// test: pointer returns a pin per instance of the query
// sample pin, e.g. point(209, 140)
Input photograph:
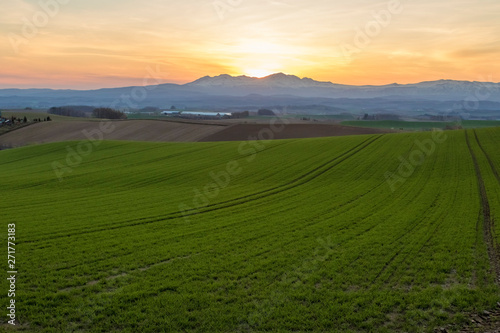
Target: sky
point(90, 44)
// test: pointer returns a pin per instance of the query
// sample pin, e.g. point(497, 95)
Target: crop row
point(308, 235)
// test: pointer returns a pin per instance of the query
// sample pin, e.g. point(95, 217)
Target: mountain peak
point(281, 80)
point(280, 75)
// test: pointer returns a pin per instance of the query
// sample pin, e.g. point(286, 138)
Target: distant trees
point(244, 114)
point(149, 109)
point(108, 113)
point(67, 111)
point(266, 112)
point(381, 116)
point(86, 111)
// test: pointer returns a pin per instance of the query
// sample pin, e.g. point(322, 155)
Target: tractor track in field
point(294, 183)
point(429, 237)
point(421, 245)
point(488, 221)
point(124, 274)
point(490, 161)
point(487, 321)
point(170, 216)
point(298, 181)
point(407, 233)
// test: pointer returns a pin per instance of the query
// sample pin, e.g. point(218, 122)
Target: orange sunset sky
point(86, 44)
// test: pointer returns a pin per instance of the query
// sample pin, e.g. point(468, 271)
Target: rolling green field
point(377, 233)
point(422, 125)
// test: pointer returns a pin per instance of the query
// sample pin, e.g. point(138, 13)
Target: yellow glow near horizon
point(260, 57)
point(259, 73)
point(122, 43)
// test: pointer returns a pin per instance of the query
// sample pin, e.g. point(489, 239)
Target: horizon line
point(247, 76)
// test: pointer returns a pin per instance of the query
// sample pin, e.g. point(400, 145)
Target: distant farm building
point(197, 115)
point(171, 113)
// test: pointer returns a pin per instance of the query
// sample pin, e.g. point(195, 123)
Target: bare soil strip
point(8, 129)
point(279, 130)
point(131, 130)
point(173, 131)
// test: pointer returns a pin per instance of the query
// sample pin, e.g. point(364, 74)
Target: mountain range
point(277, 90)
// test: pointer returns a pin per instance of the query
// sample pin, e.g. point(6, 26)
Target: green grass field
point(422, 125)
point(279, 236)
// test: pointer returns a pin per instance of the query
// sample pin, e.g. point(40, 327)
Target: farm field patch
point(422, 125)
point(141, 130)
point(287, 235)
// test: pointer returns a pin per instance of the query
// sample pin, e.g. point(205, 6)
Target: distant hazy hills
point(275, 80)
point(289, 84)
point(277, 90)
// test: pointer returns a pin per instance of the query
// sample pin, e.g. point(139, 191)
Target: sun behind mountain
point(258, 73)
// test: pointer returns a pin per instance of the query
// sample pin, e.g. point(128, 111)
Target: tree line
point(87, 111)
point(108, 113)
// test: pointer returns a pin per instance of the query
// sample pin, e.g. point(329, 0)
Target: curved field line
point(313, 220)
point(237, 201)
point(485, 208)
point(408, 233)
point(412, 253)
point(123, 274)
point(299, 181)
point(490, 161)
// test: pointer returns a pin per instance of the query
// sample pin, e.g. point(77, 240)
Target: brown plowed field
point(134, 130)
point(241, 132)
point(173, 131)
